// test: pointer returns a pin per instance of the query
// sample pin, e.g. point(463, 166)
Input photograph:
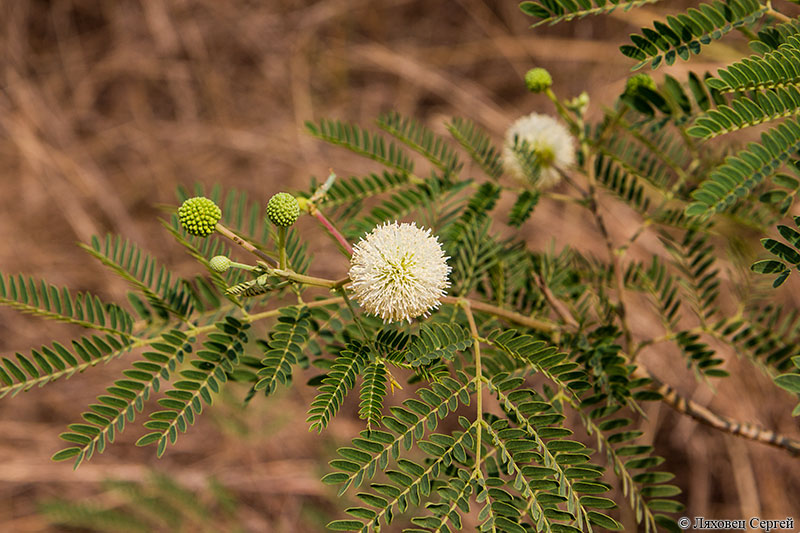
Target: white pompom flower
point(399, 272)
point(551, 142)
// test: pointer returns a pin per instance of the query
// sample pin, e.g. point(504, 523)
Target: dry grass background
point(106, 106)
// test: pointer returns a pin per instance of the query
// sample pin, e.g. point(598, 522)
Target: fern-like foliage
point(437, 342)
point(163, 291)
point(788, 255)
point(775, 69)
point(625, 185)
point(421, 139)
point(791, 382)
point(766, 333)
point(353, 189)
point(412, 482)
point(530, 359)
point(474, 252)
point(740, 174)
point(362, 142)
point(523, 208)
point(39, 298)
point(157, 503)
point(574, 382)
point(341, 379)
point(107, 418)
point(283, 349)
point(694, 257)
point(184, 402)
point(743, 112)
point(555, 11)
point(424, 194)
point(50, 363)
point(771, 37)
point(686, 33)
point(661, 286)
point(478, 145)
point(373, 390)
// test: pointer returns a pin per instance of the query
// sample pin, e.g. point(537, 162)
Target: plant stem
point(282, 247)
point(243, 243)
point(249, 319)
point(557, 305)
point(562, 110)
point(716, 421)
point(776, 14)
point(242, 266)
point(518, 318)
point(335, 233)
point(478, 378)
point(310, 280)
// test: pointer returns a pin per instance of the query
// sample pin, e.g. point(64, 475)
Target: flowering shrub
point(517, 359)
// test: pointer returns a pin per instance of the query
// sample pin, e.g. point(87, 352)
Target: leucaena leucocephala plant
point(525, 355)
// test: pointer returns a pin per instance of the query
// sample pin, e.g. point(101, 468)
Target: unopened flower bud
point(283, 209)
point(220, 263)
point(199, 216)
point(538, 80)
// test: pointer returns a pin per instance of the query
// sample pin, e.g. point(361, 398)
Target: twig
point(707, 417)
point(465, 303)
point(332, 230)
point(244, 244)
point(518, 318)
point(558, 306)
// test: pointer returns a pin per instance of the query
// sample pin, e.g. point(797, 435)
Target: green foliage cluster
point(527, 340)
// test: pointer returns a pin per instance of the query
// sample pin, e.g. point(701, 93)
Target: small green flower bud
point(199, 216)
point(639, 80)
point(283, 209)
point(579, 104)
point(538, 80)
point(220, 263)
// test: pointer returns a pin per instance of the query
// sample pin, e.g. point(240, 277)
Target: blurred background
point(107, 106)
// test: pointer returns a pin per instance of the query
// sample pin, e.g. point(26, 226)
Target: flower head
point(399, 272)
point(283, 209)
point(538, 80)
point(199, 216)
point(550, 142)
point(220, 263)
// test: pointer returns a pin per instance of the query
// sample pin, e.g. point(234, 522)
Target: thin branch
point(709, 418)
point(335, 233)
point(558, 306)
point(244, 244)
point(478, 378)
point(512, 316)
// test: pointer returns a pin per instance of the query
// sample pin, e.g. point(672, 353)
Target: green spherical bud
point(639, 80)
point(199, 216)
point(538, 80)
point(283, 209)
point(220, 263)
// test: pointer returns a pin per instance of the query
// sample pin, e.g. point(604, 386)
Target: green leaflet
point(684, 35)
point(553, 12)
